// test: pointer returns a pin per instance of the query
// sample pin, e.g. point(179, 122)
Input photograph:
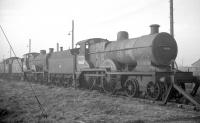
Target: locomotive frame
point(172, 88)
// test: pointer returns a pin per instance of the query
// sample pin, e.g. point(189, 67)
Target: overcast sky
point(47, 22)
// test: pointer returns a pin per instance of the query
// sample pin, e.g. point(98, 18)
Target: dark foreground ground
point(67, 105)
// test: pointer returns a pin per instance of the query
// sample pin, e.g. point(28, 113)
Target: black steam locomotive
point(142, 66)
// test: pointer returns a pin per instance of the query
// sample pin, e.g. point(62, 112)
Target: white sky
point(47, 22)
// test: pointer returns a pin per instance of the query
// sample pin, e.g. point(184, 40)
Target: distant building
point(196, 68)
point(196, 64)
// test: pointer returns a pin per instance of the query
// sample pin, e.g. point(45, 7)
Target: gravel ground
point(67, 105)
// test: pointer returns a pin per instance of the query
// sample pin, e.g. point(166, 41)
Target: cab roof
point(92, 41)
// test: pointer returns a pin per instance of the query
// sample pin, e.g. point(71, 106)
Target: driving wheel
point(132, 87)
point(153, 90)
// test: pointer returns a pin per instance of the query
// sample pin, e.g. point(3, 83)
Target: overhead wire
point(44, 113)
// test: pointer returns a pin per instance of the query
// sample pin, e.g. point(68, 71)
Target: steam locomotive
point(142, 66)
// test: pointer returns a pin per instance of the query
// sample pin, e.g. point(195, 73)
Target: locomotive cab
point(28, 60)
point(88, 48)
point(8, 64)
point(82, 56)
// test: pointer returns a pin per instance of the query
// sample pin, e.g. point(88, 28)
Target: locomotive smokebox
point(50, 50)
point(122, 35)
point(43, 52)
point(154, 28)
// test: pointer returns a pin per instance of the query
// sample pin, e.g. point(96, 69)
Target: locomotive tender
point(140, 66)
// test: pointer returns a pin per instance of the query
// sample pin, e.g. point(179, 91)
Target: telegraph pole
point(74, 56)
point(72, 34)
point(171, 19)
point(29, 45)
point(3, 64)
point(172, 25)
point(10, 52)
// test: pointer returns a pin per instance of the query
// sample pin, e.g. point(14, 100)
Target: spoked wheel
point(91, 83)
point(132, 87)
point(82, 80)
point(108, 86)
point(164, 87)
point(67, 82)
point(153, 90)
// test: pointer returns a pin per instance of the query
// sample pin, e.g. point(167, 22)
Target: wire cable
point(44, 113)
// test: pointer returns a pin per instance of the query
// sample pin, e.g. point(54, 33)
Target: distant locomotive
point(11, 68)
point(140, 66)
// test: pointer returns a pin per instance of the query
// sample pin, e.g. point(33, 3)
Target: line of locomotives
point(140, 67)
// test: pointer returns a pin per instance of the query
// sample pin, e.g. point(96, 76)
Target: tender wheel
point(108, 86)
point(132, 87)
point(82, 80)
point(153, 91)
point(91, 83)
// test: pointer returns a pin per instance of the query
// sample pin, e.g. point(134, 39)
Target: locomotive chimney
point(61, 48)
point(154, 28)
point(122, 35)
point(43, 52)
point(50, 50)
point(57, 47)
